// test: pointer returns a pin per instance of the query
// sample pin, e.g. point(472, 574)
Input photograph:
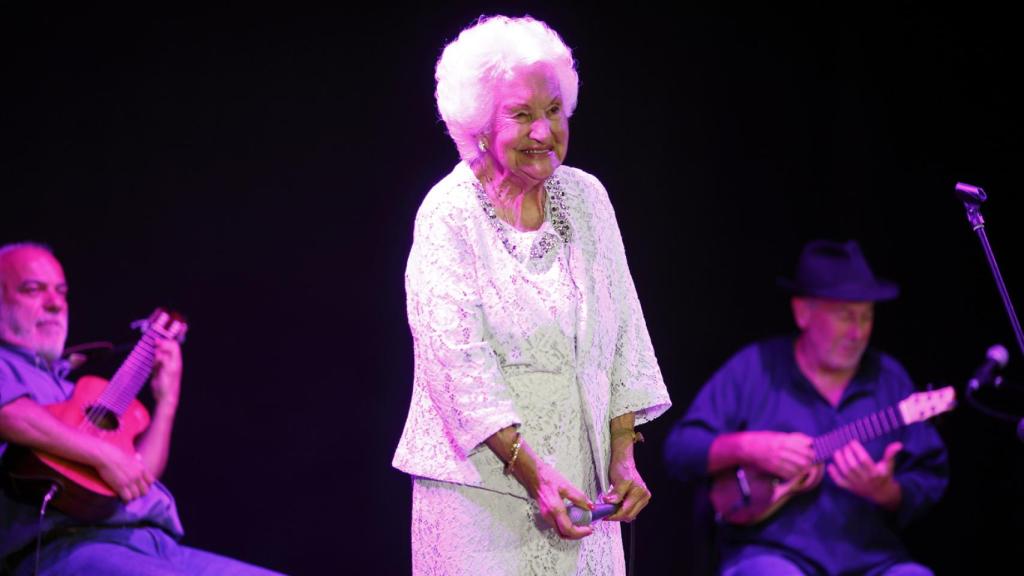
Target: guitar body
point(83, 494)
point(746, 496)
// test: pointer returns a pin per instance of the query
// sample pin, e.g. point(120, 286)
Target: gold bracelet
point(515, 453)
point(635, 436)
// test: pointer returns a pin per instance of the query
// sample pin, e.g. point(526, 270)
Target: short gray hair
point(483, 54)
point(11, 247)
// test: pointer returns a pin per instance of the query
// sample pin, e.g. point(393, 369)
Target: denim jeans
point(778, 566)
point(131, 552)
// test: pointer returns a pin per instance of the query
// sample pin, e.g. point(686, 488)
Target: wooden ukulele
point(106, 410)
point(747, 495)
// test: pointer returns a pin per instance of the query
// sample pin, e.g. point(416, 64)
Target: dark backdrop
point(261, 171)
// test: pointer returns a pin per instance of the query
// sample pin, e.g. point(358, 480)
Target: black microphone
point(583, 517)
point(995, 359)
point(970, 194)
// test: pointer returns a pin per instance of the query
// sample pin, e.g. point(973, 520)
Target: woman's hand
point(628, 490)
point(542, 482)
point(551, 492)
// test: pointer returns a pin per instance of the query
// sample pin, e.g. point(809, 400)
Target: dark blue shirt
point(25, 374)
point(827, 530)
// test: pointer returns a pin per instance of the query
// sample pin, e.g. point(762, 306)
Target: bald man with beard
point(141, 537)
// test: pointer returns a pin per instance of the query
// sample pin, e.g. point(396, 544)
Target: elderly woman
point(533, 362)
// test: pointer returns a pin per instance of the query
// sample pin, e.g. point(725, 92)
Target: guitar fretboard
point(864, 429)
point(131, 376)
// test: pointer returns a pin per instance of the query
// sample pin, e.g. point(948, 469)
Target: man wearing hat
point(762, 409)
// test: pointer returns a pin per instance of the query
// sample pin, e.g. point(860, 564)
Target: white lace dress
point(540, 329)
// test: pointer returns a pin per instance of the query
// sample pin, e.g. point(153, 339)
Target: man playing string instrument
point(762, 409)
point(141, 536)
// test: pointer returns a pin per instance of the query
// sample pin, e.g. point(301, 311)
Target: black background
point(261, 172)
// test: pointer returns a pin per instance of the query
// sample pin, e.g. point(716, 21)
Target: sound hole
point(102, 418)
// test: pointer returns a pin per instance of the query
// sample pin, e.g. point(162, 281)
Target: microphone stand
point(972, 197)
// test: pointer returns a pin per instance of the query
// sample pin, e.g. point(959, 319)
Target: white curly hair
point(487, 52)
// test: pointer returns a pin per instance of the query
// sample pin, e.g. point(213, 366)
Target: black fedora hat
point(837, 271)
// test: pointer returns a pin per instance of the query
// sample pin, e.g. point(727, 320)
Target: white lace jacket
point(468, 294)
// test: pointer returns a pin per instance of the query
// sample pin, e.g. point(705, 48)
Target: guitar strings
point(135, 368)
point(866, 428)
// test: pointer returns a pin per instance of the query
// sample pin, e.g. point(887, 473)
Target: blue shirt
point(25, 374)
point(827, 530)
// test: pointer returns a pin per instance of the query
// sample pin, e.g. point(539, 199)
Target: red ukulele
point(106, 410)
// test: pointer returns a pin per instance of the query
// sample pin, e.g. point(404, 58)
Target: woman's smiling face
point(530, 133)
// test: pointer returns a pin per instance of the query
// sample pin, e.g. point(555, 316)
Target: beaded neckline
point(545, 241)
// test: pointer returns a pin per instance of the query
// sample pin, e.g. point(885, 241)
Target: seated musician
point(142, 535)
point(762, 409)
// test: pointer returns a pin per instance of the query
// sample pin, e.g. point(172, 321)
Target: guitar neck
point(864, 429)
point(131, 376)
point(133, 373)
point(917, 407)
